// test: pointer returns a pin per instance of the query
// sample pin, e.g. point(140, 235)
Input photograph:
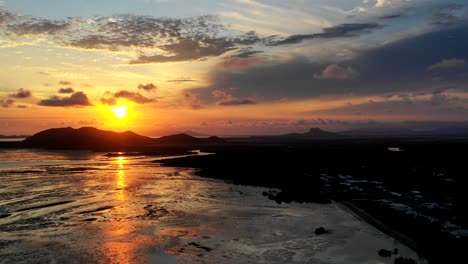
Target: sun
point(120, 111)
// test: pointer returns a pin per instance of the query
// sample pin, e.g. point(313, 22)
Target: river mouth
point(132, 210)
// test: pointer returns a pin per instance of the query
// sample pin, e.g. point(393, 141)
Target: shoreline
point(367, 217)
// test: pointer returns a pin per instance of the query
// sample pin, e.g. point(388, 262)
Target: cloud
point(151, 39)
point(109, 101)
point(6, 16)
point(227, 99)
point(446, 14)
point(7, 103)
point(181, 80)
point(66, 90)
point(391, 16)
point(195, 48)
point(246, 53)
point(191, 101)
point(237, 63)
point(147, 87)
point(34, 26)
point(335, 71)
point(21, 93)
point(447, 64)
point(395, 67)
point(76, 99)
point(339, 31)
point(381, 3)
point(133, 96)
point(236, 101)
point(65, 83)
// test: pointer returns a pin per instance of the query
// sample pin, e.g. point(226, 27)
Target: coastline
point(367, 217)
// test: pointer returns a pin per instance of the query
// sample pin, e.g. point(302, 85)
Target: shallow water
point(82, 207)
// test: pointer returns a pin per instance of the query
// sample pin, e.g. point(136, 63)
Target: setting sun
point(120, 111)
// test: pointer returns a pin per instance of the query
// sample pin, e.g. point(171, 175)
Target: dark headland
point(411, 187)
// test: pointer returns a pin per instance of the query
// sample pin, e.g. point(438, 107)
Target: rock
point(385, 253)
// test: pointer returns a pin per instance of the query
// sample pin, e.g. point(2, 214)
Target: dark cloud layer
point(339, 31)
point(444, 14)
point(236, 101)
point(21, 93)
point(76, 99)
point(391, 68)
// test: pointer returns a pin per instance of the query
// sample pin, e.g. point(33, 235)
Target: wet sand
point(131, 210)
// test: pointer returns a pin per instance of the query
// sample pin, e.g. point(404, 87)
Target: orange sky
point(230, 67)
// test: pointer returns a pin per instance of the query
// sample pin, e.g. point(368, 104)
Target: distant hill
point(312, 134)
point(402, 132)
point(186, 139)
point(96, 139)
point(194, 133)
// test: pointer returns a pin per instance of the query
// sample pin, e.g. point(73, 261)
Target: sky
point(232, 67)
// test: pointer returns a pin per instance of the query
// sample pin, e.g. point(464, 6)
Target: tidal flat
point(83, 207)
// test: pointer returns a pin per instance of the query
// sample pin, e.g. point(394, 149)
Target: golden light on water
point(120, 111)
point(120, 181)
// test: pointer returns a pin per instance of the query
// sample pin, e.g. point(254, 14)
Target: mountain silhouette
point(96, 139)
point(313, 133)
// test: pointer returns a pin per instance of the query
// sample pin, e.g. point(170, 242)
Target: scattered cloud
point(447, 64)
point(335, 71)
point(191, 101)
point(21, 93)
point(133, 96)
point(181, 80)
point(338, 31)
point(77, 99)
point(237, 63)
point(391, 16)
point(227, 99)
point(247, 53)
point(66, 90)
point(236, 101)
point(196, 48)
point(147, 87)
point(109, 101)
point(65, 83)
point(34, 26)
point(446, 14)
point(7, 103)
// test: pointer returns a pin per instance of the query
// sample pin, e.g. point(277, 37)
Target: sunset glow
point(232, 67)
point(120, 111)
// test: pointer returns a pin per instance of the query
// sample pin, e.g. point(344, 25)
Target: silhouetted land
point(89, 138)
point(416, 191)
point(412, 188)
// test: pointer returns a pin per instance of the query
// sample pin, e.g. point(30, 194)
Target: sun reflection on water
point(121, 179)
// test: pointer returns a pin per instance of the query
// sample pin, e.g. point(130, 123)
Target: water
point(82, 207)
